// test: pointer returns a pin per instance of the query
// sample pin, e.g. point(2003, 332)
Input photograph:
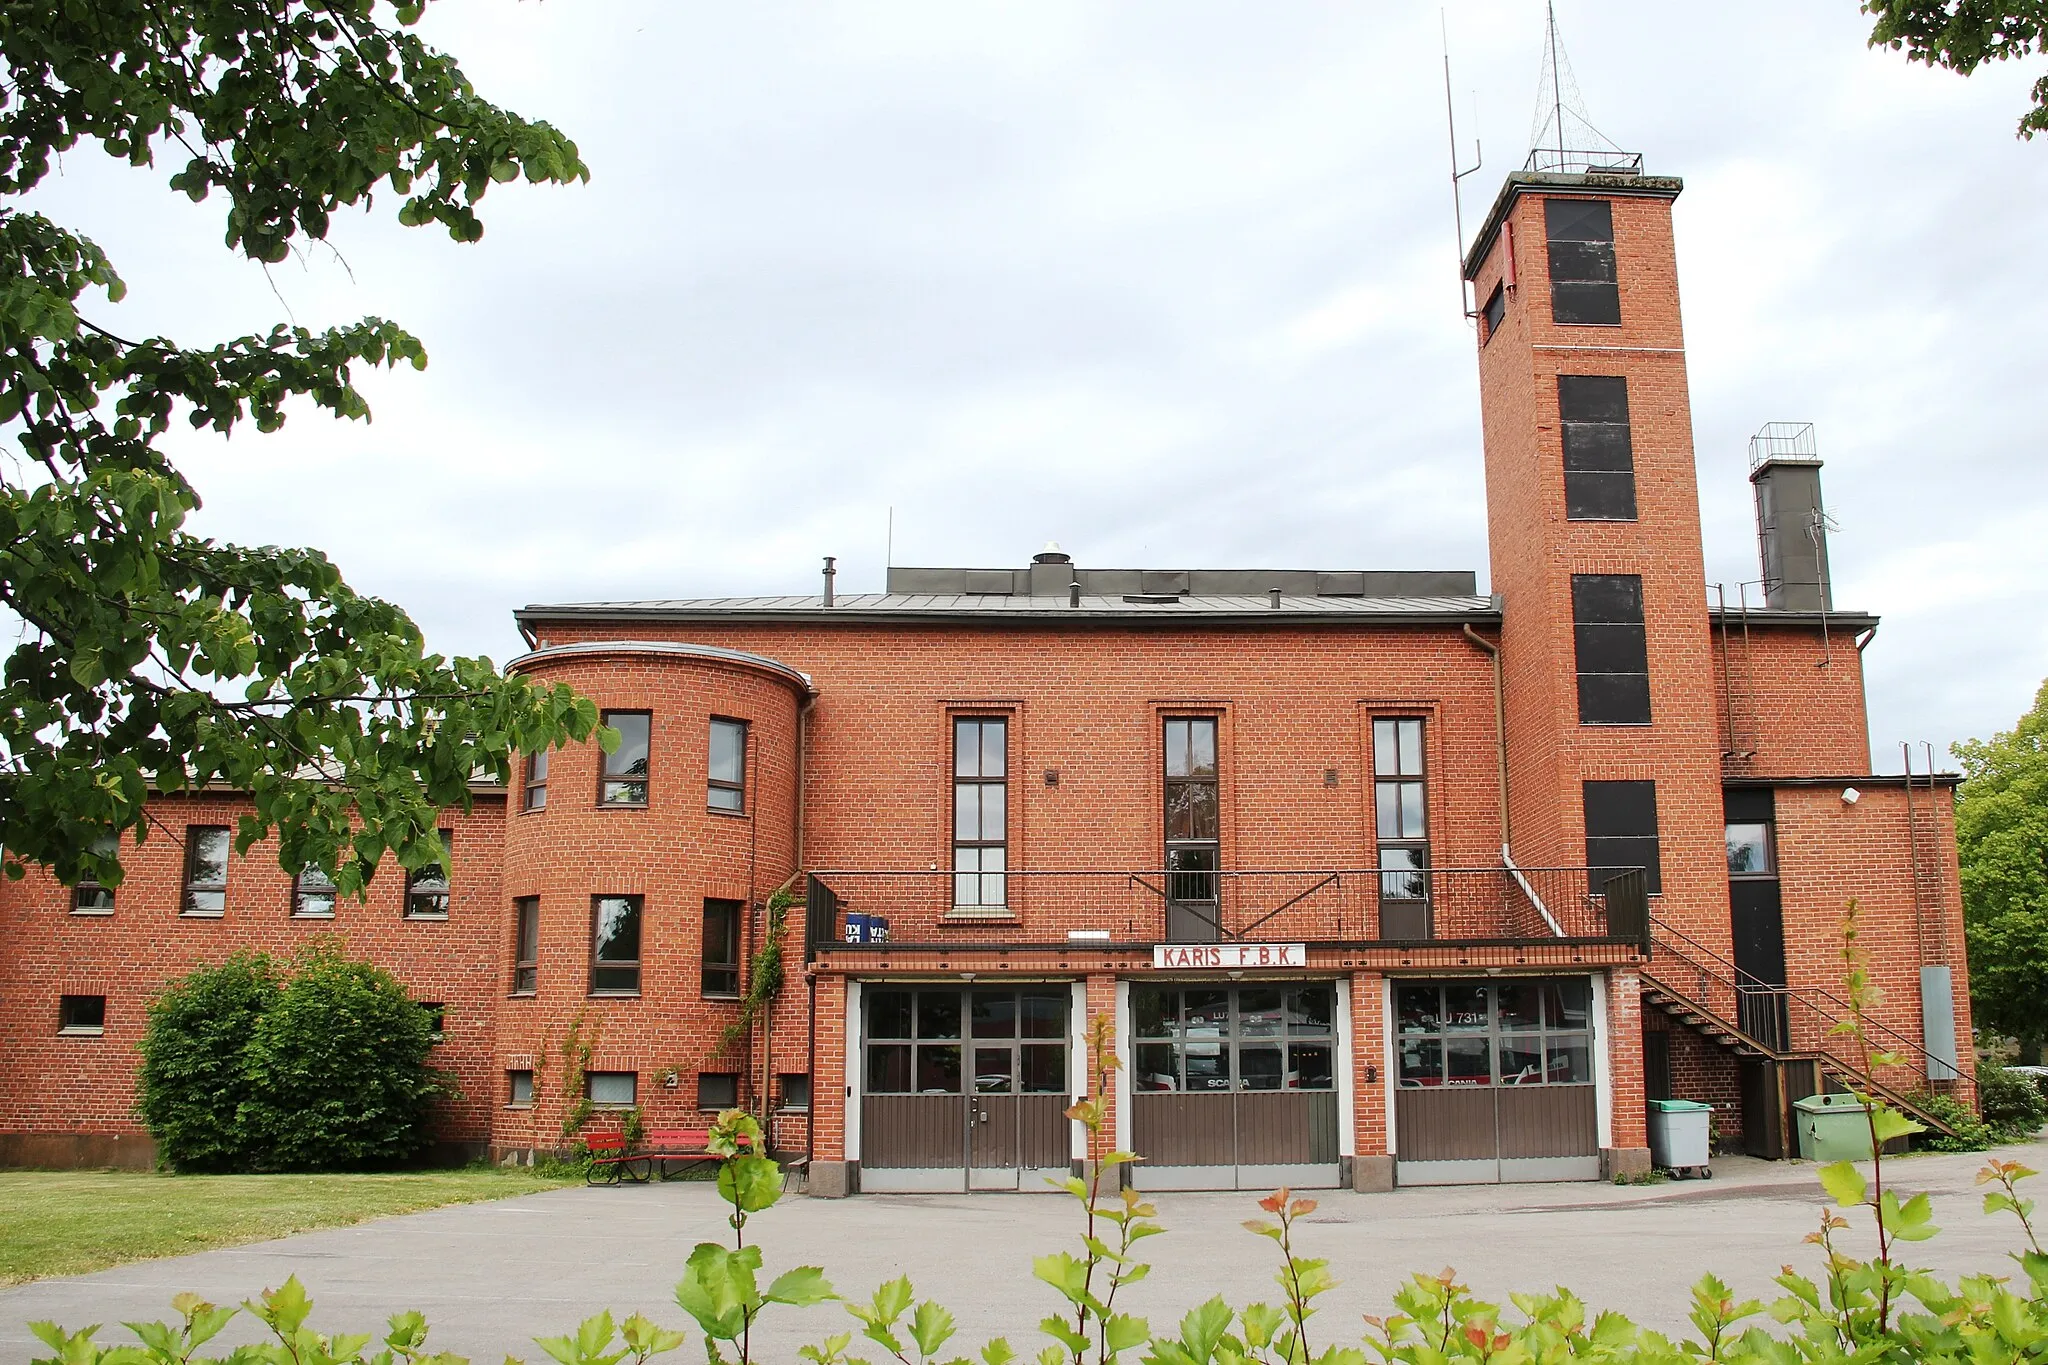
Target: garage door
point(1234, 1087)
point(964, 1088)
point(1495, 1081)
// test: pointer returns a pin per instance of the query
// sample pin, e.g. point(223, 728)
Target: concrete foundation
point(1616, 1161)
point(832, 1179)
point(1372, 1174)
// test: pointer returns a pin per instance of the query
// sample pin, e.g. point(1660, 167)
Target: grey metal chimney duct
point(1791, 523)
point(829, 573)
point(1052, 569)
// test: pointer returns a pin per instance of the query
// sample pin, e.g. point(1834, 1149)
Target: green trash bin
point(1833, 1128)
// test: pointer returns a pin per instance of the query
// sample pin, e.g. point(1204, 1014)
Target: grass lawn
point(70, 1222)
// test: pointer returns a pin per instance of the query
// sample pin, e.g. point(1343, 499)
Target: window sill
point(790, 1109)
point(93, 914)
point(615, 995)
point(81, 1032)
point(431, 918)
point(527, 1105)
point(719, 998)
point(728, 814)
point(202, 914)
point(622, 805)
point(521, 995)
point(312, 915)
point(994, 913)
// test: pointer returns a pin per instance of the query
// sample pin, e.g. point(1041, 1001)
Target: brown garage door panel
point(1548, 1120)
point(913, 1130)
point(1183, 1130)
point(1044, 1132)
point(1447, 1124)
point(1286, 1127)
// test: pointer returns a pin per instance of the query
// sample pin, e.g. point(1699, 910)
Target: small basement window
point(519, 1089)
point(718, 1090)
point(612, 1089)
point(90, 898)
point(793, 1091)
point(82, 1015)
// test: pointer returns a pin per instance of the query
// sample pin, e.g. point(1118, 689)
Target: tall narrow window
point(728, 785)
point(312, 894)
point(722, 949)
point(1400, 823)
point(1599, 459)
point(981, 765)
point(537, 780)
point(206, 870)
point(426, 888)
point(1613, 654)
point(1621, 830)
point(615, 945)
point(624, 782)
point(526, 945)
point(1496, 310)
point(1582, 279)
point(90, 898)
point(1192, 821)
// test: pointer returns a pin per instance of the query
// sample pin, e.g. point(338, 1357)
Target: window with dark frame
point(793, 1091)
point(82, 1015)
point(1517, 1031)
point(1269, 1036)
point(981, 766)
point(1599, 456)
point(727, 787)
point(615, 945)
point(1583, 287)
point(718, 1090)
point(1400, 808)
point(526, 945)
point(1496, 310)
point(1621, 829)
point(313, 894)
point(206, 870)
point(1751, 850)
point(990, 1040)
point(90, 898)
point(518, 1089)
point(437, 1019)
point(612, 1089)
point(537, 780)
point(426, 888)
point(623, 780)
point(721, 967)
point(1612, 649)
point(1193, 823)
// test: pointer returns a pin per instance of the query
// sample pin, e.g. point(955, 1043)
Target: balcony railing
point(1363, 905)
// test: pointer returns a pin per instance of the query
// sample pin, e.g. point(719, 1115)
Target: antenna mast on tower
point(1458, 176)
point(1564, 139)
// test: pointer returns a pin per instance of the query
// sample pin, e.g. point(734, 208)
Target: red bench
point(660, 1154)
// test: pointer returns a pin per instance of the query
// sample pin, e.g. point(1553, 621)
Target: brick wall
point(1795, 697)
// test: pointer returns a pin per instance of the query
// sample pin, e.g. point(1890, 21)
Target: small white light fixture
point(1850, 796)
point(1087, 935)
point(1235, 976)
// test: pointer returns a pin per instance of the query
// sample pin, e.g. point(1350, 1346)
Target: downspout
point(803, 732)
point(1500, 733)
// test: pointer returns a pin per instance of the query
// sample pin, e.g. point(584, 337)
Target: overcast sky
point(1171, 283)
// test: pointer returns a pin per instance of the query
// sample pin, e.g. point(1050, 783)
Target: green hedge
point(247, 1067)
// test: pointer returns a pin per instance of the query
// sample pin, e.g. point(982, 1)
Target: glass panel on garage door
point(1494, 1081)
point(1234, 1087)
point(964, 1087)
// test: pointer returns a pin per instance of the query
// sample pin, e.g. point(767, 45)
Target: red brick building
point(1377, 880)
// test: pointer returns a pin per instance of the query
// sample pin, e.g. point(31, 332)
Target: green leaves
point(1844, 1183)
point(1962, 37)
point(154, 656)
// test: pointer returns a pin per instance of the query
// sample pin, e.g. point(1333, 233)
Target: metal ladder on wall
point(1703, 990)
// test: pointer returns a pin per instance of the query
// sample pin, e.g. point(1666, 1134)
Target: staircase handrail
point(1832, 1012)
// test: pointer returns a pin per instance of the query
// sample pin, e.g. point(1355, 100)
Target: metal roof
point(1007, 607)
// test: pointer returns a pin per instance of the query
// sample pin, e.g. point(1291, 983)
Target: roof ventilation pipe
point(830, 573)
point(1052, 571)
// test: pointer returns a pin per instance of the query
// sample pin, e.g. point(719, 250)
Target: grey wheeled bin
point(1679, 1137)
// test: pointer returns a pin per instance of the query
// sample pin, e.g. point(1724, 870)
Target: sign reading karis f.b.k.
point(1234, 956)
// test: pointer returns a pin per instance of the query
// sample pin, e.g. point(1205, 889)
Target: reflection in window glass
point(1571, 1058)
point(995, 1014)
point(1308, 1010)
point(938, 1014)
point(1418, 1008)
point(1422, 1061)
point(625, 768)
point(1749, 850)
point(1311, 1067)
point(1468, 1060)
point(888, 1014)
point(1517, 1004)
point(1045, 1014)
point(1044, 1069)
point(1156, 1066)
point(1258, 1013)
point(938, 1069)
point(1155, 1013)
point(888, 1068)
point(1526, 1031)
point(1521, 1060)
point(1260, 1066)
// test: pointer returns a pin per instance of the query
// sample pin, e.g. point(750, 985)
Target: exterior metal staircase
point(1704, 991)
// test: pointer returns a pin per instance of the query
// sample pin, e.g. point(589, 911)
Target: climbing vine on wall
point(576, 1051)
